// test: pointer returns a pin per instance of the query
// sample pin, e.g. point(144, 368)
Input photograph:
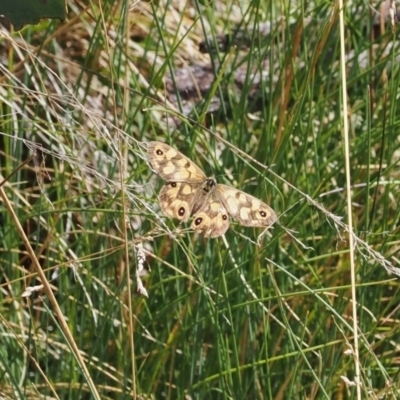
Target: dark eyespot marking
point(173, 184)
point(224, 217)
point(198, 221)
point(182, 211)
point(263, 214)
point(159, 152)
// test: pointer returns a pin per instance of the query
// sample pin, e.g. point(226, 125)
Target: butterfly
point(188, 192)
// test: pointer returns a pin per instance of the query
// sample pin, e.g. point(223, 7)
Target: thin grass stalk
point(349, 199)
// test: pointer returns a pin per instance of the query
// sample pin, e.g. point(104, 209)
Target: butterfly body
point(189, 191)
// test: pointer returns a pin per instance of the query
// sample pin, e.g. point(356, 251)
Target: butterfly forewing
point(172, 165)
point(246, 209)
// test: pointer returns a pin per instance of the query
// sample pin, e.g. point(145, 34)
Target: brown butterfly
point(189, 192)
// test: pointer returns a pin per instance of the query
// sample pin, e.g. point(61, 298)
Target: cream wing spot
point(192, 169)
point(171, 153)
point(245, 213)
point(241, 197)
point(182, 162)
point(169, 168)
point(233, 205)
point(155, 164)
point(229, 191)
point(255, 203)
point(187, 189)
point(184, 174)
point(215, 206)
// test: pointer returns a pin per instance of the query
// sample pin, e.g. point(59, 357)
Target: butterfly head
point(209, 185)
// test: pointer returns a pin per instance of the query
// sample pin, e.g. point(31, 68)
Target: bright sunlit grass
point(246, 316)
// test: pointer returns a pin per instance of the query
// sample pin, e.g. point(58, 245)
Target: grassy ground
point(239, 317)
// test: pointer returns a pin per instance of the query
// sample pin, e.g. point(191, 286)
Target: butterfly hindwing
point(177, 199)
point(212, 219)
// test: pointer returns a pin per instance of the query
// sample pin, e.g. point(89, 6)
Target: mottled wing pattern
point(172, 165)
point(177, 199)
point(246, 209)
point(212, 219)
point(188, 191)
